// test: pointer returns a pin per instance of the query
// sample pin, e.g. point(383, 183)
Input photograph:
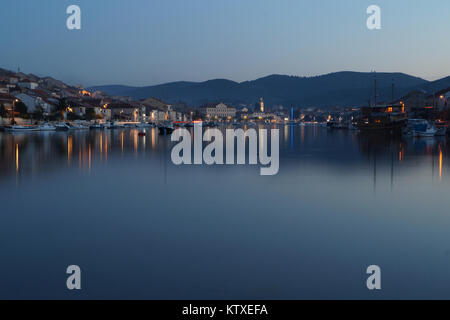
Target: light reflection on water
point(112, 202)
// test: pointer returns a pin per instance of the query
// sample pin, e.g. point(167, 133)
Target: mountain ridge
point(344, 88)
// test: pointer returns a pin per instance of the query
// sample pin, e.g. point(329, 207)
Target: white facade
point(158, 115)
point(221, 111)
point(28, 84)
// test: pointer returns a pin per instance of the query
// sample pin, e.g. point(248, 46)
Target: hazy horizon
point(143, 43)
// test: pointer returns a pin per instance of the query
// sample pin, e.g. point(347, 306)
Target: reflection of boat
point(165, 128)
point(17, 128)
point(46, 127)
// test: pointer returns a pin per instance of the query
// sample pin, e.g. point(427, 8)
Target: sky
point(148, 42)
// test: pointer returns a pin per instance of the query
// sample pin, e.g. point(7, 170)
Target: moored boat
point(387, 118)
point(18, 128)
point(46, 127)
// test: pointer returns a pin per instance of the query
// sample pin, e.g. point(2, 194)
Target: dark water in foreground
point(140, 227)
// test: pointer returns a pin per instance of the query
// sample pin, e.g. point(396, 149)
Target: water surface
point(140, 227)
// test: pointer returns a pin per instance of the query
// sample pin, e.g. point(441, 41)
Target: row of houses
point(418, 102)
point(51, 97)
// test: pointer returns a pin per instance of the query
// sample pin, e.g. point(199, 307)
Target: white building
point(220, 111)
point(158, 115)
point(28, 84)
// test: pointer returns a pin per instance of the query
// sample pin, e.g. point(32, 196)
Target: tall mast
point(375, 88)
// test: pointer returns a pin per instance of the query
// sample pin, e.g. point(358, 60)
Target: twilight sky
point(146, 42)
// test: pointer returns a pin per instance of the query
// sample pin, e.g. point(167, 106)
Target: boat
point(76, 125)
point(17, 128)
point(96, 126)
point(422, 128)
point(113, 125)
point(62, 126)
point(337, 124)
point(382, 118)
point(143, 125)
point(46, 127)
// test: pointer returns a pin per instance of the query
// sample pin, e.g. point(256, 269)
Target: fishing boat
point(113, 125)
point(423, 128)
point(46, 127)
point(62, 126)
point(78, 125)
point(143, 125)
point(96, 126)
point(17, 128)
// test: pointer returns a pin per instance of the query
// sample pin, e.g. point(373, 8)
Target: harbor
point(127, 187)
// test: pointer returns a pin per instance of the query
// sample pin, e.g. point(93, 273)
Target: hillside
point(334, 89)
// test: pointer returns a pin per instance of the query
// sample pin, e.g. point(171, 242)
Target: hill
point(335, 89)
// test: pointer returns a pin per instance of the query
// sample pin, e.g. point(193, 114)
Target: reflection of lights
point(101, 144)
point(106, 148)
point(79, 157)
point(69, 148)
point(121, 141)
point(89, 157)
point(153, 139)
point(17, 158)
point(440, 163)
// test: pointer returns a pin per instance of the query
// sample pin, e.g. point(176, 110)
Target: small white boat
point(62, 126)
point(114, 125)
point(46, 127)
point(424, 128)
point(143, 125)
point(97, 125)
point(77, 126)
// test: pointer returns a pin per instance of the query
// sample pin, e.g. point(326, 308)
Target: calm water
point(140, 227)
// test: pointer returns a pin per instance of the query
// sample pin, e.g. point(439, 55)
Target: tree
point(38, 113)
point(62, 105)
point(21, 108)
point(3, 111)
point(73, 116)
point(90, 114)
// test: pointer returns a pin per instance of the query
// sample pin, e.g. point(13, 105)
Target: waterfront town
point(32, 103)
